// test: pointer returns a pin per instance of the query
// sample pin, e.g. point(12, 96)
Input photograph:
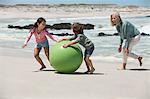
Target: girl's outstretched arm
point(51, 36)
point(27, 39)
point(63, 39)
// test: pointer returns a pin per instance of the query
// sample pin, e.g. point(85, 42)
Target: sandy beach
point(19, 78)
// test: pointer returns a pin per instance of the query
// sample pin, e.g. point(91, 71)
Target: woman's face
point(115, 19)
point(41, 26)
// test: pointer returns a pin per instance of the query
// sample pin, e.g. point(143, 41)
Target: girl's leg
point(36, 55)
point(46, 50)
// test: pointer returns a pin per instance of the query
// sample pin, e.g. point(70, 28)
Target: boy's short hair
point(78, 26)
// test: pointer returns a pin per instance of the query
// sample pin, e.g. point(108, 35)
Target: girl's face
point(115, 19)
point(41, 25)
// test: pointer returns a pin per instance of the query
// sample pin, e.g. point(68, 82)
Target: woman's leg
point(134, 41)
point(36, 55)
point(125, 57)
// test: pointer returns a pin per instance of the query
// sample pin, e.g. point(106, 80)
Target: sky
point(119, 2)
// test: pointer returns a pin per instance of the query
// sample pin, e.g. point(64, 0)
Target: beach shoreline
point(29, 11)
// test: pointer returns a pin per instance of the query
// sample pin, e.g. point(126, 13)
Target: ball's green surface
point(66, 60)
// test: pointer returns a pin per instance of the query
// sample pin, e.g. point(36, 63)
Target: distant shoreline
point(81, 4)
point(104, 4)
point(69, 10)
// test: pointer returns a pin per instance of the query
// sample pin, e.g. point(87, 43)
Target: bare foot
point(42, 67)
point(87, 72)
point(140, 60)
point(121, 68)
point(92, 70)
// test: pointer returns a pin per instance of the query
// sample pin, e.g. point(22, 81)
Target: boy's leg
point(89, 64)
point(36, 55)
point(88, 53)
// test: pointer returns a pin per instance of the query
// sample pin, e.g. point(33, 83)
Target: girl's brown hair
point(78, 27)
point(39, 20)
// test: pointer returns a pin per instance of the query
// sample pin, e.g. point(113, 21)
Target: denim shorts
point(88, 52)
point(43, 44)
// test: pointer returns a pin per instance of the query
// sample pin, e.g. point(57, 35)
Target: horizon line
point(74, 4)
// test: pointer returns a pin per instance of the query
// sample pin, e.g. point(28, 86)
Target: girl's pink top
point(40, 37)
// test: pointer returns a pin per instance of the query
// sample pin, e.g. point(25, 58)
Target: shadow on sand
point(141, 69)
point(48, 70)
point(75, 73)
point(79, 73)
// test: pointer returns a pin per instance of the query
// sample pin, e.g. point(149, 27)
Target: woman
point(128, 32)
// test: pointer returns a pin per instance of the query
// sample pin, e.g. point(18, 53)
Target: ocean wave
point(81, 18)
point(145, 29)
point(109, 58)
point(106, 58)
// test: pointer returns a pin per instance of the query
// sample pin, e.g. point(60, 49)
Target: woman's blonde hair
point(78, 26)
point(118, 18)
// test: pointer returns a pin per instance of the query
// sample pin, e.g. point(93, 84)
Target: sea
point(105, 46)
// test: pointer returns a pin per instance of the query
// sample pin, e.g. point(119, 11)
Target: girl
point(80, 38)
point(128, 32)
point(40, 33)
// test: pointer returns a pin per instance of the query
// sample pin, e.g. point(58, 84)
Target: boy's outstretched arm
point(69, 44)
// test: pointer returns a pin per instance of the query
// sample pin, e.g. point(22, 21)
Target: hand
point(65, 45)
point(24, 45)
point(120, 49)
point(60, 40)
point(127, 51)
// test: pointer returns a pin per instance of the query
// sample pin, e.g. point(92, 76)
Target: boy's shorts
point(88, 52)
point(42, 44)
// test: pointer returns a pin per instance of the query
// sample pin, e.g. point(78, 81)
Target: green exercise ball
point(66, 60)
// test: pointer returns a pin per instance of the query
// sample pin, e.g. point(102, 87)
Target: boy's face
point(76, 29)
